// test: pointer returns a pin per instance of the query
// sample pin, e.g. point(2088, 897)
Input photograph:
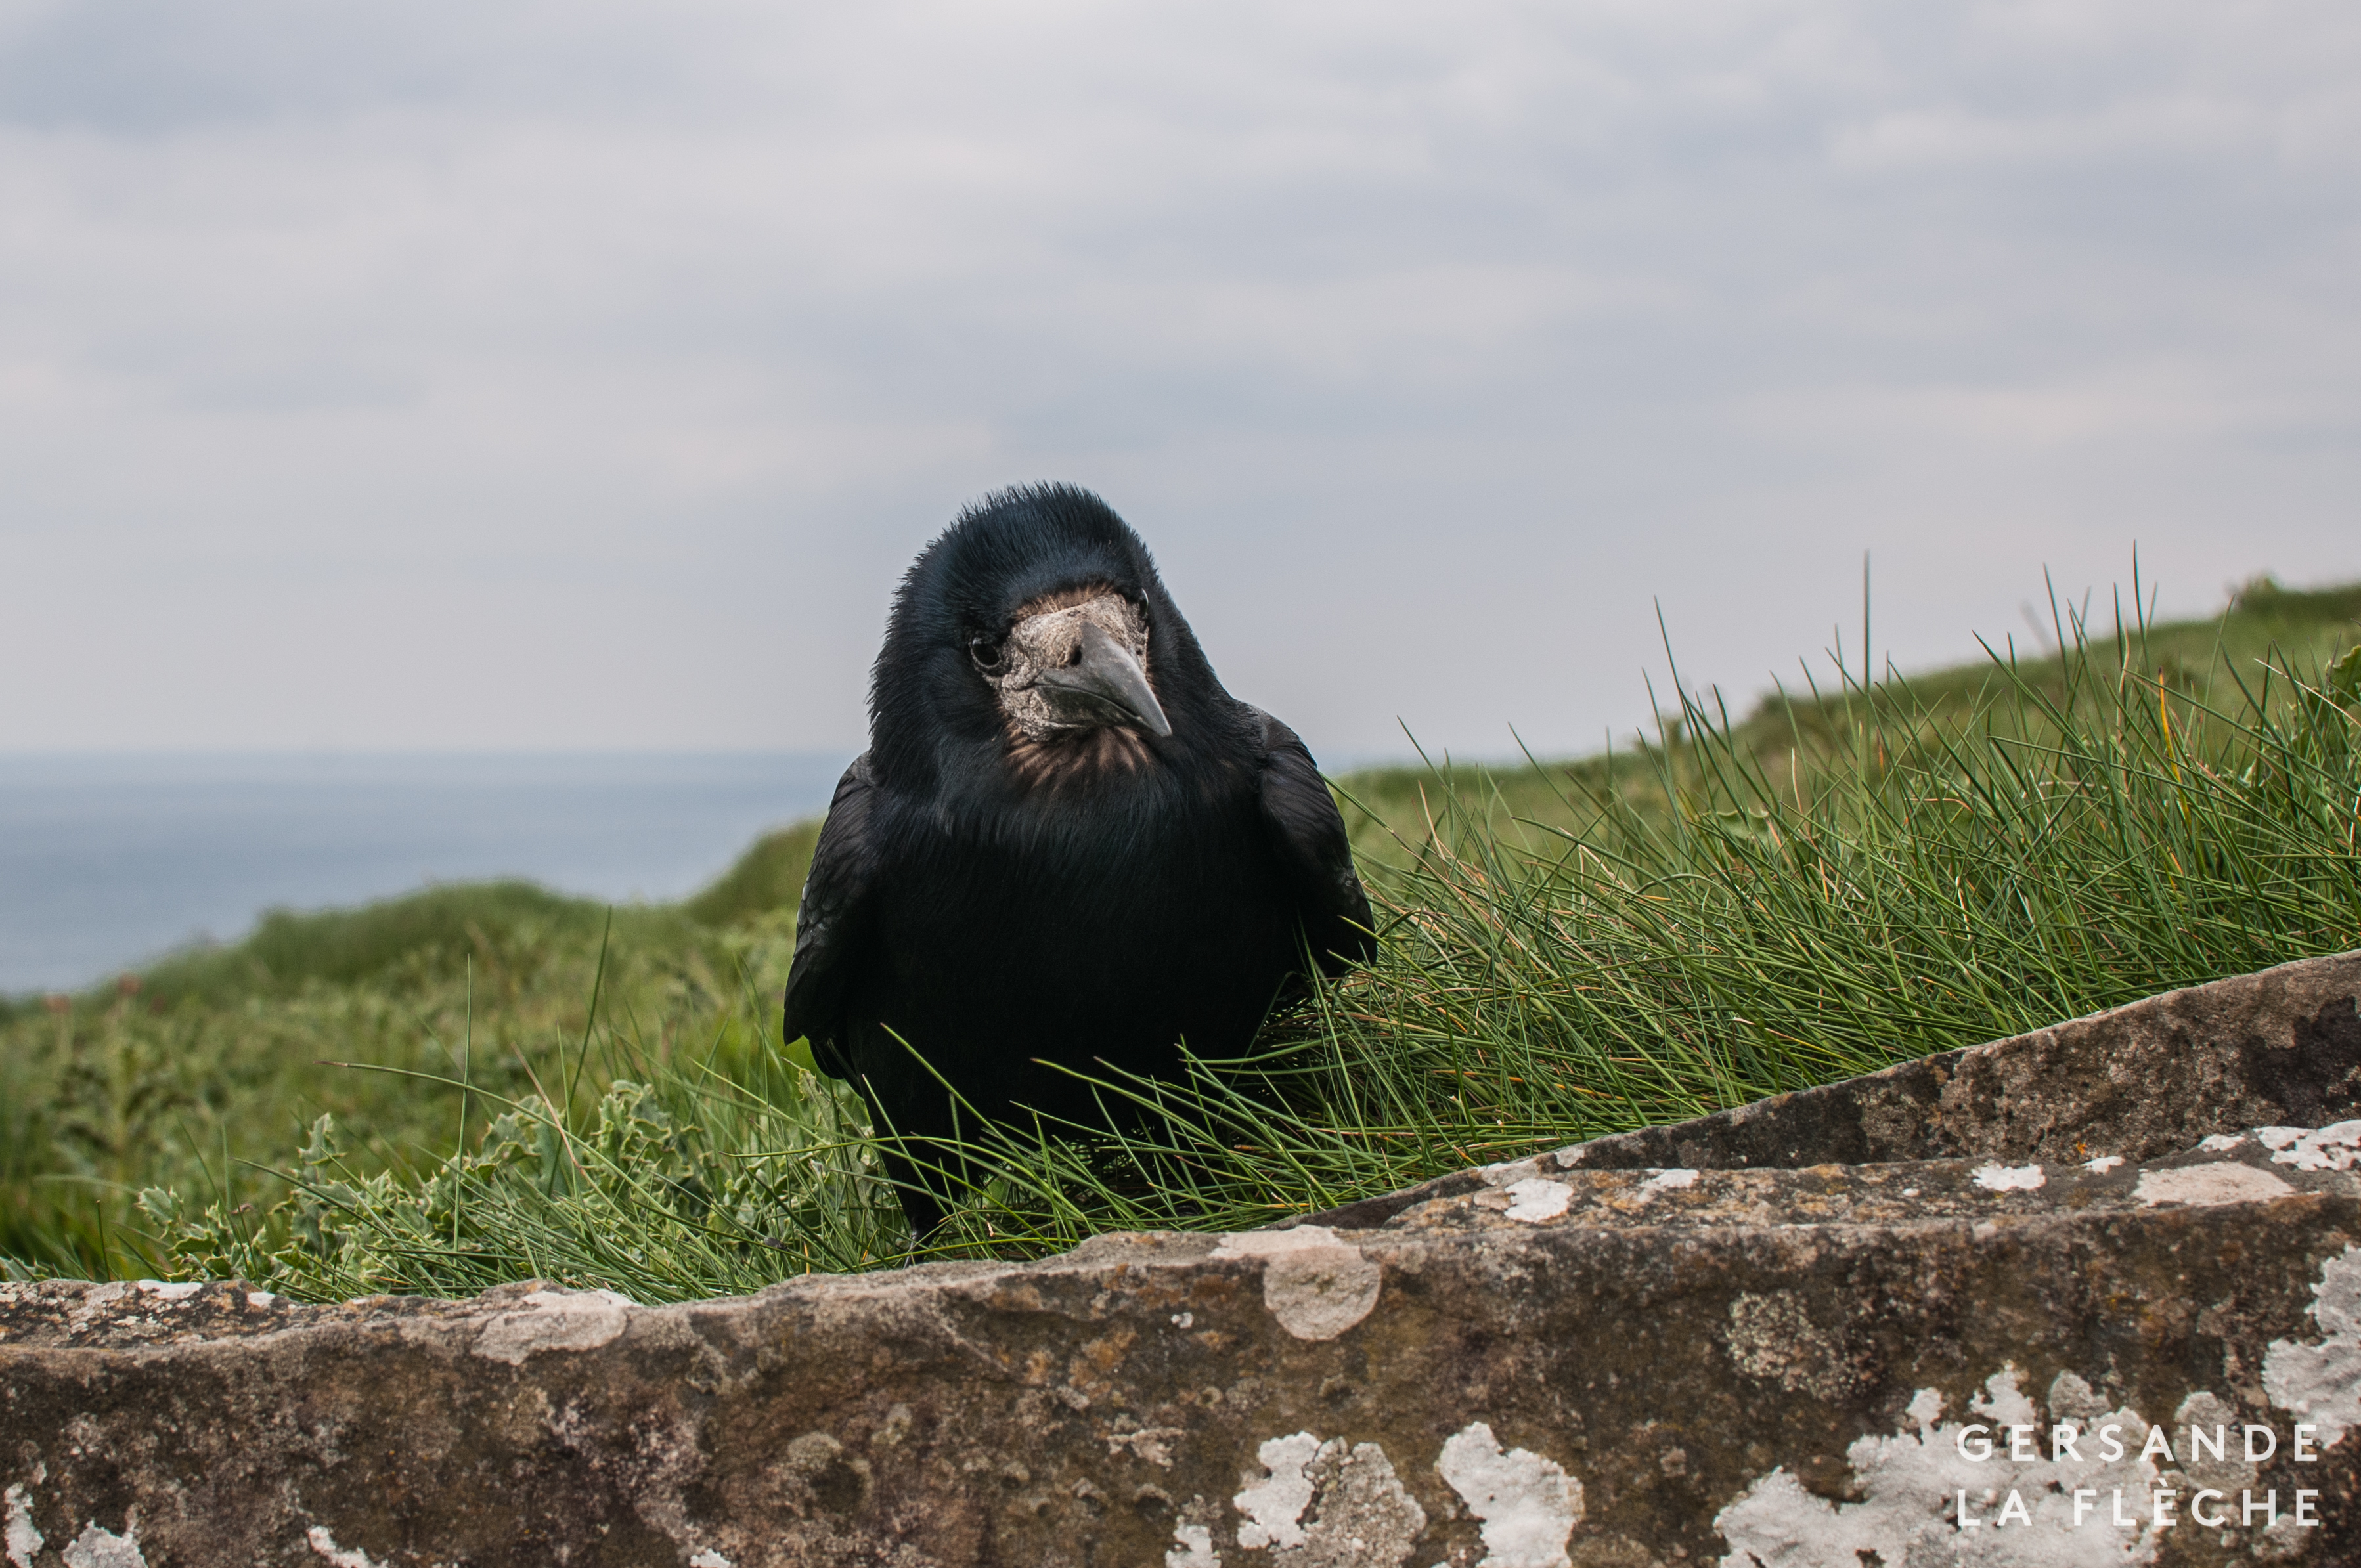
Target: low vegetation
point(482, 1083)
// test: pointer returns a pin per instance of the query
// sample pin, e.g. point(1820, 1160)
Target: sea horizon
point(111, 858)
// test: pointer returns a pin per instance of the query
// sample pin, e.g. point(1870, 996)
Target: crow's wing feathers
point(1310, 833)
point(843, 866)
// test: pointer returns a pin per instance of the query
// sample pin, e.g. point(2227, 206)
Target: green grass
point(1837, 879)
point(1802, 720)
point(215, 1063)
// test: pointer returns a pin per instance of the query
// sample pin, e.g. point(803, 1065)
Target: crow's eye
point(989, 653)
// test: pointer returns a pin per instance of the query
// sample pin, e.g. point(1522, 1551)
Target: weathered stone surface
point(1727, 1344)
point(2279, 1048)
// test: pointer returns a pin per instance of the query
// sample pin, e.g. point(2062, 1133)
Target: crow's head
point(1035, 625)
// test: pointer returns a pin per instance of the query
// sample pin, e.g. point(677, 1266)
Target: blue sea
point(106, 861)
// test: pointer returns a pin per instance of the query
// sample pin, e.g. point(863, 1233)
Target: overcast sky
point(512, 374)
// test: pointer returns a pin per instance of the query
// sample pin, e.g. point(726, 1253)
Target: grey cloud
point(158, 67)
point(680, 326)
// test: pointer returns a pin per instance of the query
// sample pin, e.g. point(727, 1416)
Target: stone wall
point(1843, 1327)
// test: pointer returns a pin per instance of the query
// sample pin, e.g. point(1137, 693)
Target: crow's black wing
point(1309, 834)
point(844, 865)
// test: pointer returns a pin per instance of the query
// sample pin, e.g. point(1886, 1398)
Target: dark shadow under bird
point(1067, 845)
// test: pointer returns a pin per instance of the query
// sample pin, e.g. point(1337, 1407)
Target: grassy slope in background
point(1839, 881)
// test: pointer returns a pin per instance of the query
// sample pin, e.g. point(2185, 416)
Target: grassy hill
point(1746, 903)
point(2264, 627)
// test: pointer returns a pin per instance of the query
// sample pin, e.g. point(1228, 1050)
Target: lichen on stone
point(1316, 1285)
point(1528, 1504)
point(2323, 1381)
point(1778, 1521)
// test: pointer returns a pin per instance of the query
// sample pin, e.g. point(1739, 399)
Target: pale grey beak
point(1106, 682)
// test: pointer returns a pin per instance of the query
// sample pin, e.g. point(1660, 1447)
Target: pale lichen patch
point(1315, 1285)
point(324, 1543)
point(2323, 1381)
point(1667, 1180)
point(1195, 1549)
point(2333, 1147)
point(1274, 1506)
point(1529, 1505)
point(99, 1548)
point(1361, 1516)
point(1366, 1518)
point(1539, 1199)
point(2102, 1164)
point(18, 1535)
point(1153, 1444)
point(2229, 1472)
point(2072, 1398)
point(2010, 1178)
point(2226, 1183)
point(553, 1320)
point(2284, 1540)
point(1897, 1478)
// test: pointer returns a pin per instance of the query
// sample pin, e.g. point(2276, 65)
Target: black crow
point(1066, 843)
